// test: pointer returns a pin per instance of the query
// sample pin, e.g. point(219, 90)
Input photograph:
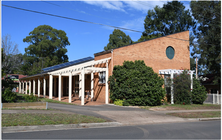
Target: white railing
point(213, 98)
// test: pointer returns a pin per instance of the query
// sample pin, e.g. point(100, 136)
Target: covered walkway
point(70, 82)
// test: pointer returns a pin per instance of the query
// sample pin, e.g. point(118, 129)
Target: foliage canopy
point(181, 87)
point(169, 19)
point(199, 93)
point(47, 48)
point(11, 58)
point(118, 39)
point(207, 30)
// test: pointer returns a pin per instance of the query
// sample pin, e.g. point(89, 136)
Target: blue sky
point(85, 39)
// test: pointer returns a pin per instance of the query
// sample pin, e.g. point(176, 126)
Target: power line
point(71, 18)
point(82, 20)
point(76, 10)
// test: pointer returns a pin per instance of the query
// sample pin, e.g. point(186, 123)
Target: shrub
point(136, 83)
point(199, 93)
point(8, 96)
point(181, 87)
point(118, 102)
point(31, 98)
point(125, 103)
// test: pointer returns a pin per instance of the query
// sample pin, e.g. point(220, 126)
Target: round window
point(170, 52)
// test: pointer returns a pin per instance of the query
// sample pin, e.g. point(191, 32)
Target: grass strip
point(29, 119)
point(41, 99)
point(184, 107)
point(207, 114)
point(27, 109)
point(19, 94)
point(54, 101)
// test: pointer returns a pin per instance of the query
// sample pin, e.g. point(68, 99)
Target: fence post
point(217, 97)
point(213, 98)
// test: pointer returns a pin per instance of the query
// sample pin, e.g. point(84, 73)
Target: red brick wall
point(153, 52)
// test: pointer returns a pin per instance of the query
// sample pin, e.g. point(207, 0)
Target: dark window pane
point(170, 52)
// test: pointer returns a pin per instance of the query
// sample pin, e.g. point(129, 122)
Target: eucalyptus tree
point(47, 47)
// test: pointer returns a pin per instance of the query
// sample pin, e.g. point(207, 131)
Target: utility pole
point(196, 69)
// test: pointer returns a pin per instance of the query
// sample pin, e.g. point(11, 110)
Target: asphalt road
point(92, 110)
point(184, 130)
point(123, 115)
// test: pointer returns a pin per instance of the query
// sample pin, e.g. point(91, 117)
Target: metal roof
point(63, 65)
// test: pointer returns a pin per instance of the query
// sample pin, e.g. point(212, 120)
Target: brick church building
point(87, 77)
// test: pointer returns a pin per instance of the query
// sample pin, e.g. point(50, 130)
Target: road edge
point(14, 129)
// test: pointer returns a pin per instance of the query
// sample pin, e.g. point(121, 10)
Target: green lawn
point(19, 94)
point(207, 114)
point(182, 107)
point(54, 101)
point(46, 119)
point(20, 97)
point(27, 109)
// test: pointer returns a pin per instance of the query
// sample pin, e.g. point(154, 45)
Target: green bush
point(125, 103)
point(199, 93)
point(8, 96)
point(181, 87)
point(136, 83)
point(31, 98)
point(118, 102)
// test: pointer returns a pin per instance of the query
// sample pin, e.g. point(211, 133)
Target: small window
point(102, 77)
point(170, 52)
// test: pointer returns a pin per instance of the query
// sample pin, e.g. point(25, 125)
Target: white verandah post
point(60, 87)
point(70, 87)
point(33, 86)
point(80, 85)
point(44, 87)
point(19, 86)
point(23, 86)
point(38, 87)
point(92, 85)
point(50, 86)
point(83, 86)
point(29, 87)
point(107, 86)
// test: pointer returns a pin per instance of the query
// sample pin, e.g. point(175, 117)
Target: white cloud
point(114, 5)
point(143, 6)
point(135, 24)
